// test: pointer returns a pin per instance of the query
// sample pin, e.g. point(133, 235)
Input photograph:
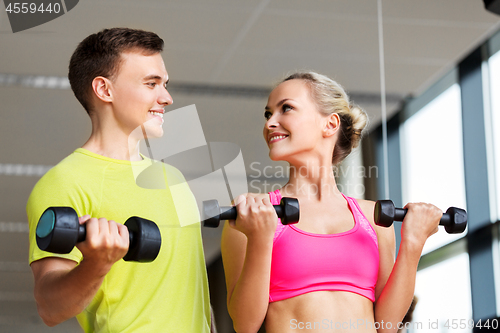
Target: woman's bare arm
point(396, 281)
point(246, 253)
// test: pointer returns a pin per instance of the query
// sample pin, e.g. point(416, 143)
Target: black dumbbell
point(287, 211)
point(454, 220)
point(59, 230)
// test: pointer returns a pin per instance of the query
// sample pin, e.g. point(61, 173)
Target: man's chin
point(154, 132)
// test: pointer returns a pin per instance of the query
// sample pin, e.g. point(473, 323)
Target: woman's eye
point(267, 115)
point(286, 108)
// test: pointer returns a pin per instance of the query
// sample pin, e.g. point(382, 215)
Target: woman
point(335, 269)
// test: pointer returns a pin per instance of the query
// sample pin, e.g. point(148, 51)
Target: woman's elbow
point(245, 325)
point(247, 328)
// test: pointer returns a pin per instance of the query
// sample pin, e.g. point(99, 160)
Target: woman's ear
point(101, 88)
point(332, 125)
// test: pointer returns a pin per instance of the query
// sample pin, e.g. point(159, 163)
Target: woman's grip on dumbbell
point(59, 230)
point(288, 211)
point(454, 220)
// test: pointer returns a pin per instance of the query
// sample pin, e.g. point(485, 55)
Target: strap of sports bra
point(361, 218)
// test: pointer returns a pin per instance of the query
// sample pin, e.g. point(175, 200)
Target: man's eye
point(152, 84)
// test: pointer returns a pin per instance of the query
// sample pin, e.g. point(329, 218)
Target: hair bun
point(359, 121)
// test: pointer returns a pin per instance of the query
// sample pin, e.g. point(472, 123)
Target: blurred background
point(442, 94)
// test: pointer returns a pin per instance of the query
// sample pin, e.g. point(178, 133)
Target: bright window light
point(494, 64)
point(444, 304)
point(432, 159)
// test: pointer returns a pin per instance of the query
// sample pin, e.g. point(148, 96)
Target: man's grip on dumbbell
point(59, 230)
point(454, 220)
point(287, 211)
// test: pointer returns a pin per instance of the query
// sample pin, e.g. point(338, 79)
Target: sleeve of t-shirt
point(52, 190)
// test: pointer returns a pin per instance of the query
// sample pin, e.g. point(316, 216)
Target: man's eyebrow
point(278, 105)
point(153, 77)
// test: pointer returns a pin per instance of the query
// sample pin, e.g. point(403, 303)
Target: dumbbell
point(454, 220)
point(287, 211)
point(59, 230)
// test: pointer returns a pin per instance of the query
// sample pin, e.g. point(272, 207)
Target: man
point(119, 77)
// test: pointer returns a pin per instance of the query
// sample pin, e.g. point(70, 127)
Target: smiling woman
point(334, 269)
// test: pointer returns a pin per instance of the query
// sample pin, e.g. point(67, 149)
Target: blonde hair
point(331, 98)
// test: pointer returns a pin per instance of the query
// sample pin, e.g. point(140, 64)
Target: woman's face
point(294, 124)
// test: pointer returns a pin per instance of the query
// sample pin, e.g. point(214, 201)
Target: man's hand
point(106, 242)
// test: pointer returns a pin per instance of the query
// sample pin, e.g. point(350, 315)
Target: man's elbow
point(48, 315)
point(47, 318)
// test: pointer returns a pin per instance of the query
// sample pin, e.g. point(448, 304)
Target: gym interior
point(427, 72)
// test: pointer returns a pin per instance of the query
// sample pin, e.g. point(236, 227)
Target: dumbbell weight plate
point(459, 218)
point(60, 239)
point(150, 240)
point(291, 210)
point(45, 224)
point(211, 212)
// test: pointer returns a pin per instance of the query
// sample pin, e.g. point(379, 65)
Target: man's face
point(139, 93)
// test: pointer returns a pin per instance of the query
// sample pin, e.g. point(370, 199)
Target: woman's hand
point(256, 217)
point(421, 221)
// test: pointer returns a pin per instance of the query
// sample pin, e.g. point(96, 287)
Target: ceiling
point(224, 56)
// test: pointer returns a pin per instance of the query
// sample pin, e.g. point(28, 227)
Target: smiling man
point(119, 77)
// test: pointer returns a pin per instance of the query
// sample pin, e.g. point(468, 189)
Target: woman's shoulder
point(383, 234)
point(368, 208)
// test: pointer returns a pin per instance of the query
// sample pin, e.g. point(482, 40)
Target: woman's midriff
point(322, 311)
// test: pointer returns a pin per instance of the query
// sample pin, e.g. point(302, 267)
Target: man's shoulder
point(72, 171)
point(68, 168)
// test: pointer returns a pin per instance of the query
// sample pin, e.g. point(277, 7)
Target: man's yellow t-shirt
point(169, 294)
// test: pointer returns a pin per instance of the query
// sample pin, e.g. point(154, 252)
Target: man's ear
point(332, 125)
point(101, 88)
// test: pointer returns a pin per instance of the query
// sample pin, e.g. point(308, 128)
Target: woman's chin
point(276, 157)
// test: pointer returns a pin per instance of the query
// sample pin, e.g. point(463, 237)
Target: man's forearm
point(62, 294)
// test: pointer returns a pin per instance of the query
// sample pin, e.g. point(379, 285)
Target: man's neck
point(112, 142)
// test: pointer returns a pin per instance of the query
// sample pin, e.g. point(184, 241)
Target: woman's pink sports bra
point(304, 262)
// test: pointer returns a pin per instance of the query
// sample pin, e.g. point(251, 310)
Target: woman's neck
point(311, 180)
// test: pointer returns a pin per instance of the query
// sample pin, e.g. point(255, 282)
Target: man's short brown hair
point(100, 55)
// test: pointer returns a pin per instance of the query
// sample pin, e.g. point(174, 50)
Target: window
point(494, 98)
point(432, 158)
point(494, 65)
point(442, 300)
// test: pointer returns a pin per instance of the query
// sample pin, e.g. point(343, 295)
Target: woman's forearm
point(397, 295)
point(249, 300)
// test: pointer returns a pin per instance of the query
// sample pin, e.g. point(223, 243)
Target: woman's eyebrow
point(278, 105)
